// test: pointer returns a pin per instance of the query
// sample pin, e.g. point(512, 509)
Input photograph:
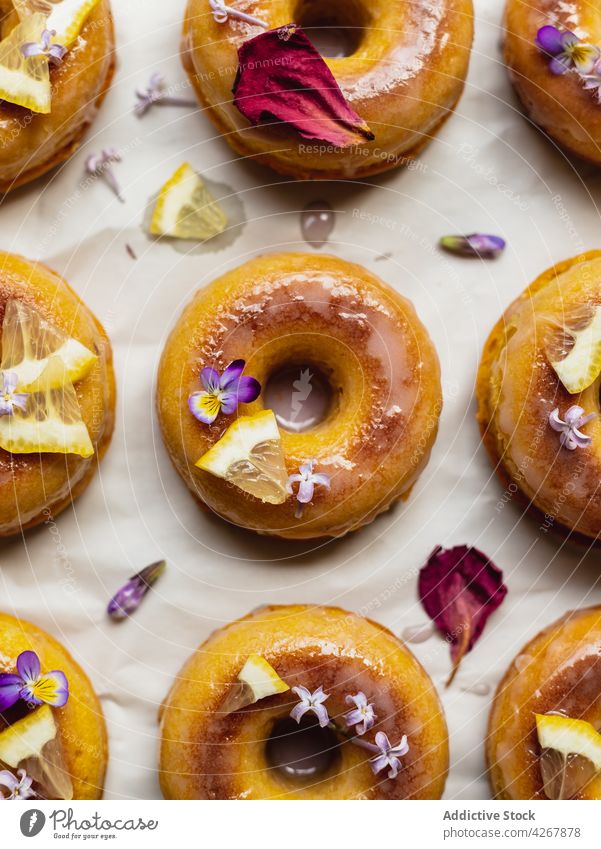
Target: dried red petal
point(282, 77)
point(459, 588)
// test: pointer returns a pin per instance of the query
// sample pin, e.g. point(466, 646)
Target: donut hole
point(302, 752)
point(300, 395)
point(337, 29)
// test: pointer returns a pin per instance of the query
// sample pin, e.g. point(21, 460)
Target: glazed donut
point(320, 312)
point(558, 104)
point(558, 673)
point(35, 487)
point(80, 722)
point(404, 78)
point(33, 143)
point(518, 390)
point(210, 752)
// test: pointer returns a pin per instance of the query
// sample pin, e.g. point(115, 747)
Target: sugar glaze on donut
point(318, 311)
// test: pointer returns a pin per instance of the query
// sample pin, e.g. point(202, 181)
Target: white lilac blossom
point(388, 755)
point(128, 598)
point(222, 13)
point(311, 703)
point(362, 717)
point(156, 92)
point(307, 480)
point(571, 436)
point(99, 165)
point(592, 82)
point(18, 786)
point(9, 398)
point(54, 52)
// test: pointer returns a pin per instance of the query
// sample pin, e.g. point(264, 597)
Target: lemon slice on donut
point(65, 17)
point(51, 421)
point(250, 455)
point(571, 755)
point(261, 678)
point(25, 81)
point(582, 365)
point(32, 744)
point(28, 342)
point(186, 209)
point(256, 680)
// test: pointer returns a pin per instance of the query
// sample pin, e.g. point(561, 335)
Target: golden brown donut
point(559, 671)
point(558, 104)
point(323, 312)
point(31, 143)
point(518, 388)
point(404, 78)
point(207, 753)
point(80, 722)
point(35, 487)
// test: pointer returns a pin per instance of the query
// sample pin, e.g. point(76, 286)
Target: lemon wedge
point(185, 208)
point(250, 455)
point(32, 744)
point(27, 737)
point(581, 367)
point(51, 421)
point(67, 18)
point(569, 737)
point(28, 342)
point(256, 680)
point(261, 678)
point(25, 81)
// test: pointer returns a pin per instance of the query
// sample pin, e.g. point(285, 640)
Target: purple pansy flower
point(481, 245)
point(311, 703)
point(567, 50)
point(388, 755)
point(29, 684)
point(223, 393)
point(18, 786)
point(307, 481)
point(362, 717)
point(156, 92)
point(128, 598)
point(54, 52)
point(9, 399)
point(571, 436)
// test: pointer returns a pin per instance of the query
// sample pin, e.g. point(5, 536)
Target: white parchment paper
point(489, 170)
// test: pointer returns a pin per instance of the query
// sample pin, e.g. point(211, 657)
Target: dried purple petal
point(480, 245)
point(459, 588)
point(282, 77)
point(129, 597)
